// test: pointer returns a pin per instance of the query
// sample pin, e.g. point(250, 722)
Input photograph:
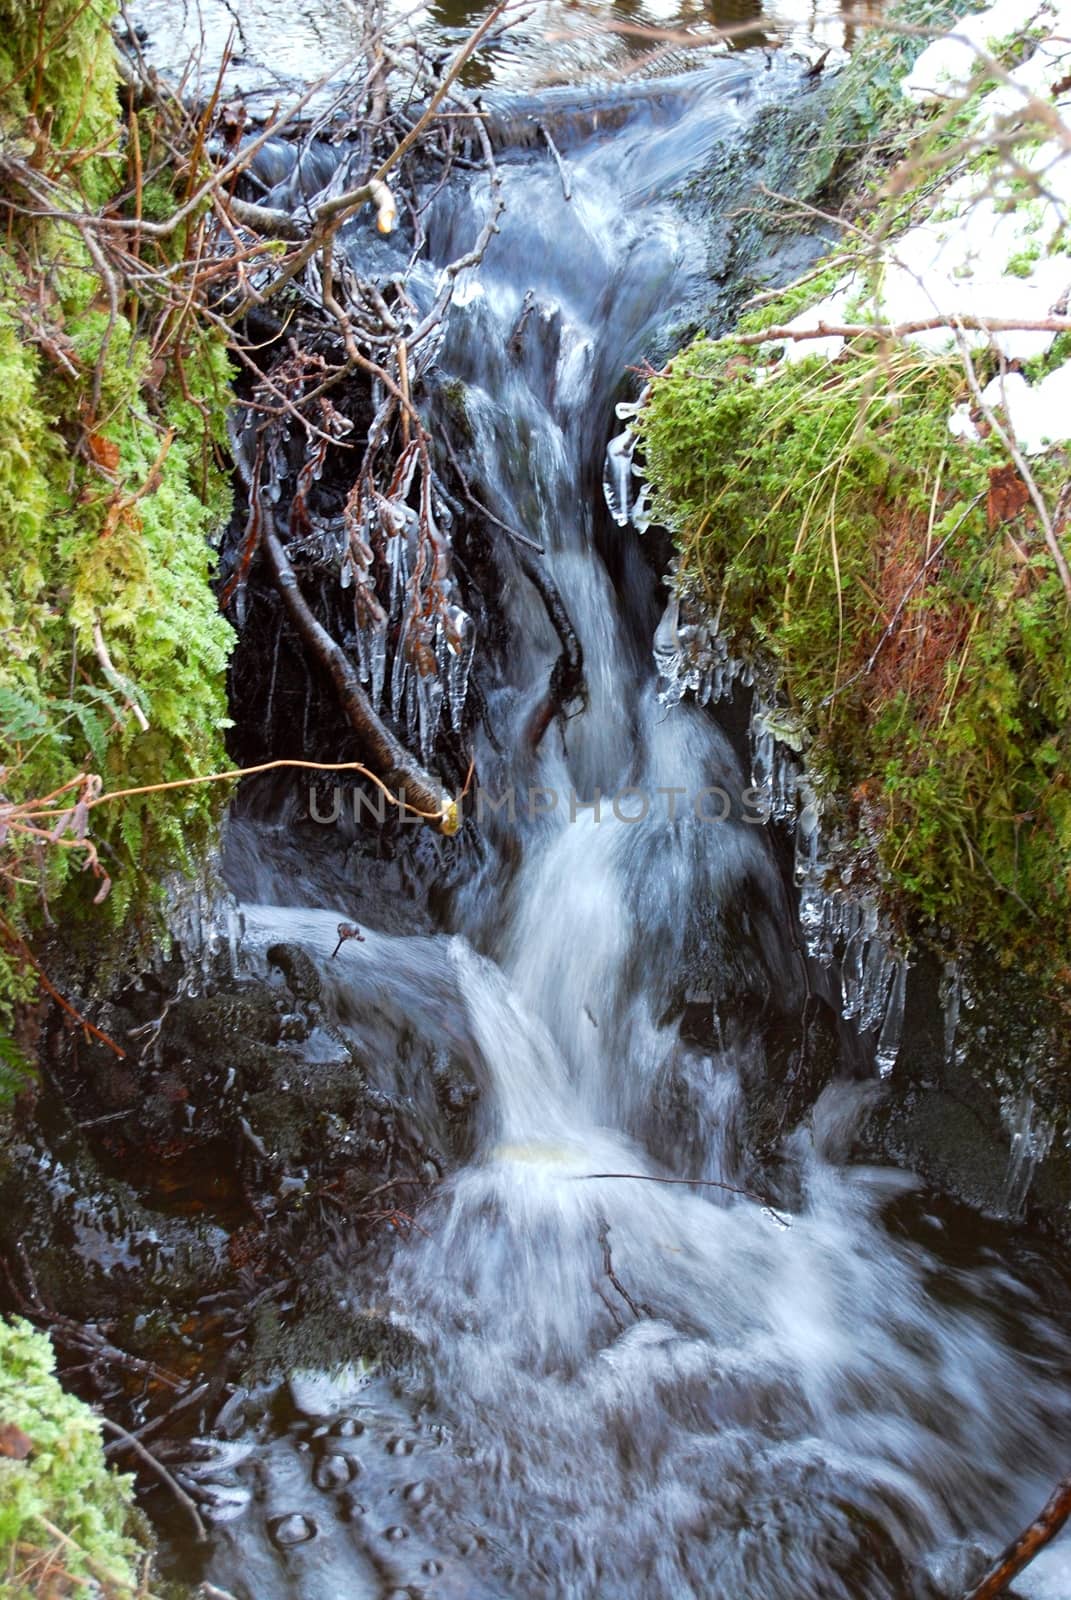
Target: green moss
point(60, 1502)
point(806, 504)
point(111, 442)
point(1058, 353)
point(57, 84)
point(807, 500)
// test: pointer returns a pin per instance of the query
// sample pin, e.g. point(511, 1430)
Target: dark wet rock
point(251, 1014)
point(803, 1055)
point(945, 1113)
point(94, 1247)
point(298, 969)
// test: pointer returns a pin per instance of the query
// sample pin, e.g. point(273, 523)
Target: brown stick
point(27, 955)
point(395, 764)
point(129, 1442)
point(900, 330)
point(1045, 1526)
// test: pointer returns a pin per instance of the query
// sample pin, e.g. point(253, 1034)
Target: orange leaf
point(1008, 494)
point(14, 1444)
point(105, 452)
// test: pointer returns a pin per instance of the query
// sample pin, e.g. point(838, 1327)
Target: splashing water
point(640, 1389)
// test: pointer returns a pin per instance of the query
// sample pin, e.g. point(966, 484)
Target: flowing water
point(638, 1390)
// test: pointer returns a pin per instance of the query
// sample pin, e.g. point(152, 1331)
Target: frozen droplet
point(291, 1529)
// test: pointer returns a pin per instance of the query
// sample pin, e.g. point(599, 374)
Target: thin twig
point(902, 330)
point(563, 171)
point(1022, 1550)
point(146, 1455)
point(691, 1183)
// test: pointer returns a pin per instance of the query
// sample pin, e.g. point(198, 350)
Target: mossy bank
point(67, 1520)
point(112, 483)
point(890, 580)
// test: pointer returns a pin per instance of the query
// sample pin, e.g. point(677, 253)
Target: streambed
point(798, 1374)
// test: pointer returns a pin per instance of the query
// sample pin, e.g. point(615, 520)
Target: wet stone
point(291, 1529)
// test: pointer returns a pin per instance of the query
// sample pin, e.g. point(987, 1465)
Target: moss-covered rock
point(67, 1520)
point(892, 582)
point(112, 426)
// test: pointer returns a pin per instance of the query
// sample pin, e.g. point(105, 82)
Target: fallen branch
point(398, 769)
point(145, 1455)
point(902, 330)
point(639, 1312)
point(567, 675)
point(563, 170)
point(1022, 1550)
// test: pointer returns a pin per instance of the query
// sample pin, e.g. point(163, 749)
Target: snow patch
point(945, 68)
point(982, 251)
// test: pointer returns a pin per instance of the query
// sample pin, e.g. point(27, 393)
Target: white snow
point(947, 65)
point(1039, 414)
point(983, 250)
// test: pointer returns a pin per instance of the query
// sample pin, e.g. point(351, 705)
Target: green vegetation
point(112, 411)
point(895, 583)
point(829, 518)
point(67, 1521)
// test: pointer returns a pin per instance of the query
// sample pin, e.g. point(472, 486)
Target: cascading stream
point(647, 1391)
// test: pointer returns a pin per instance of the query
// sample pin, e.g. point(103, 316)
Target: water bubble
point(292, 1529)
point(334, 1472)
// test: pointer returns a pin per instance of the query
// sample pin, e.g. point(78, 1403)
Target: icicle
point(399, 674)
point(773, 771)
point(1031, 1141)
point(641, 520)
point(429, 702)
point(852, 961)
point(617, 476)
point(667, 654)
point(460, 633)
point(877, 974)
point(892, 1029)
point(951, 1000)
point(375, 644)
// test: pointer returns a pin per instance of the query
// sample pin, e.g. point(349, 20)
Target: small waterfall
point(645, 1382)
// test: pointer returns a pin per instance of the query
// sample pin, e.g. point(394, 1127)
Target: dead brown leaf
point(1008, 494)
